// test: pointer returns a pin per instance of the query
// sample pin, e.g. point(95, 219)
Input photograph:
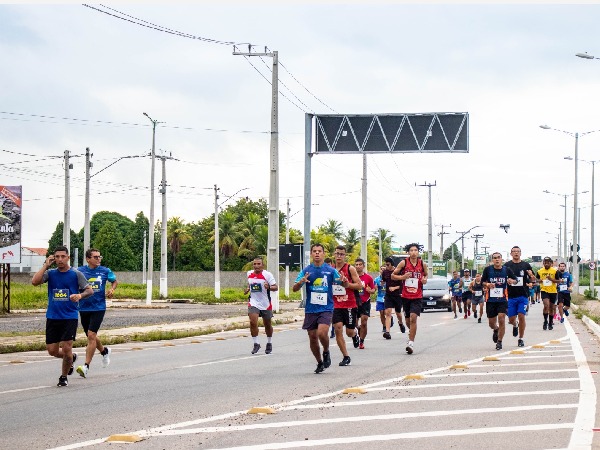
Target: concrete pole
point(452, 257)
point(163, 232)
point(565, 252)
point(575, 221)
point(560, 238)
point(287, 241)
point(67, 212)
point(217, 247)
point(462, 241)
point(592, 272)
point(86, 224)
point(429, 226)
point(380, 251)
point(308, 130)
point(144, 254)
point(150, 272)
point(363, 231)
point(75, 258)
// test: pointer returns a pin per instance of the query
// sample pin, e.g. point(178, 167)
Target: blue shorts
point(517, 305)
point(379, 306)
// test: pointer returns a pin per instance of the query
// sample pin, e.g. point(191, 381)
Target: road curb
point(593, 326)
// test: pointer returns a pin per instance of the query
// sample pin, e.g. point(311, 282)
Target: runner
point(465, 282)
point(260, 285)
point(537, 291)
point(565, 287)
point(392, 301)
point(379, 304)
point(364, 296)
point(92, 310)
point(477, 291)
point(548, 280)
point(496, 279)
point(518, 293)
point(318, 278)
point(66, 287)
point(413, 271)
point(531, 292)
point(345, 305)
point(455, 292)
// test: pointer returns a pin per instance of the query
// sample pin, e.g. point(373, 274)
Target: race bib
point(519, 282)
point(256, 287)
point(60, 295)
point(563, 287)
point(547, 283)
point(497, 292)
point(338, 289)
point(411, 283)
point(478, 293)
point(318, 298)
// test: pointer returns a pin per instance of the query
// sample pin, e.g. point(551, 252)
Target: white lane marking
point(487, 374)
point(295, 423)
point(429, 399)
point(549, 351)
point(393, 437)
point(438, 324)
point(472, 384)
point(538, 363)
point(586, 413)
point(537, 357)
point(210, 363)
point(24, 389)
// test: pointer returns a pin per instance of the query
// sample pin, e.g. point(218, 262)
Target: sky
point(73, 77)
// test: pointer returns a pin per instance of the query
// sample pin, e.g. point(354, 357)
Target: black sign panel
point(290, 254)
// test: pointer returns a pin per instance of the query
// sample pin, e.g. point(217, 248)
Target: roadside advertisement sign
point(10, 224)
point(481, 259)
point(439, 269)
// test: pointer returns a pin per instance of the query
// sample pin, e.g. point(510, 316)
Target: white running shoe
point(409, 347)
point(82, 370)
point(106, 358)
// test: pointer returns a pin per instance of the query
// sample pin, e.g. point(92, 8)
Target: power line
point(26, 154)
point(306, 89)
point(286, 86)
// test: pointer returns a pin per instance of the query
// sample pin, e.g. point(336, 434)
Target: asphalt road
point(195, 392)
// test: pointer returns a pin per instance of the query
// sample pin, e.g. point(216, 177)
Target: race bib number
point(497, 292)
point(60, 295)
point(339, 289)
point(547, 283)
point(563, 287)
point(411, 283)
point(519, 282)
point(256, 287)
point(318, 298)
point(478, 293)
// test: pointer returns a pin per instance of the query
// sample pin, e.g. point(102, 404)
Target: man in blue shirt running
point(92, 310)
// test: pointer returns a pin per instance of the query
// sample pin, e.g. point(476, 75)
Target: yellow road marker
point(414, 376)
point(354, 390)
point(220, 339)
point(459, 366)
point(137, 348)
point(17, 361)
point(195, 342)
point(261, 410)
point(517, 352)
point(124, 438)
point(538, 346)
point(491, 358)
point(555, 341)
point(168, 344)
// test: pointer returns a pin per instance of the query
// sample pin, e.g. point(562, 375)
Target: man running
point(518, 293)
point(66, 287)
point(455, 292)
point(565, 287)
point(548, 281)
point(477, 291)
point(318, 278)
point(379, 304)
point(364, 296)
point(392, 300)
point(496, 278)
point(465, 282)
point(413, 271)
point(260, 285)
point(345, 304)
point(92, 309)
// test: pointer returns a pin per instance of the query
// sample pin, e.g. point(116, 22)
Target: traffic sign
point(578, 259)
point(592, 266)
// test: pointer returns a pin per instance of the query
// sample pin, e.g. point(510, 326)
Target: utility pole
point(380, 250)
point(363, 231)
point(429, 226)
point(287, 241)
point(476, 237)
point(441, 235)
point(273, 225)
point(163, 228)
point(217, 249)
point(86, 225)
point(67, 214)
point(592, 271)
point(151, 225)
point(144, 259)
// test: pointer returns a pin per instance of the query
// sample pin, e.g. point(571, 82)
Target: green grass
point(26, 296)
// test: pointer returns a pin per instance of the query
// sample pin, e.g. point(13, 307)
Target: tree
point(351, 239)
point(332, 227)
point(57, 239)
point(116, 253)
point(177, 235)
point(448, 254)
point(386, 242)
point(124, 224)
point(228, 234)
point(135, 238)
point(248, 230)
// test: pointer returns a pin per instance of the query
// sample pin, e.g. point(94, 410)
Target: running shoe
point(402, 328)
point(495, 336)
point(326, 359)
point(72, 368)
point(346, 361)
point(356, 340)
point(562, 320)
point(83, 370)
point(387, 335)
point(392, 323)
point(460, 309)
point(106, 357)
point(469, 313)
point(465, 315)
point(269, 348)
point(479, 320)
point(566, 312)
point(362, 344)
point(475, 314)
point(515, 330)
point(499, 345)
point(551, 326)
point(332, 334)
point(455, 316)
point(256, 348)
point(62, 381)
point(409, 347)
point(320, 367)
point(383, 330)
point(545, 325)
point(521, 343)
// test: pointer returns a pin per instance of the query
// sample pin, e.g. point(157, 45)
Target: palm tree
point(351, 239)
point(177, 234)
point(333, 228)
point(386, 241)
point(228, 234)
point(249, 228)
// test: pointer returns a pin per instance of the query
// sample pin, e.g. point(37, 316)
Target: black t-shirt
point(520, 270)
point(386, 276)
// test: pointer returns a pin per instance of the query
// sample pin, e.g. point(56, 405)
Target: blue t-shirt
point(319, 287)
point(565, 281)
point(97, 279)
point(60, 287)
point(380, 289)
point(454, 287)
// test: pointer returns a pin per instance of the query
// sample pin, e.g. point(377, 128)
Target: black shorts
point(365, 309)
point(550, 296)
point(313, 320)
point(492, 309)
point(347, 316)
point(60, 330)
point(412, 306)
point(391, 301)
point(564, 298)
point(91, 320)
point(466, 296)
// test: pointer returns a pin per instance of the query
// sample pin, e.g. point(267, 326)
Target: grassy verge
point(581, 302)
point(25, 296)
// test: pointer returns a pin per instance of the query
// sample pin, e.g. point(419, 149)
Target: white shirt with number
point(258, 292)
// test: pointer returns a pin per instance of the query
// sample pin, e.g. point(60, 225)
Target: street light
point(575, 236)
point(565, 229)
point(585, 56)
point(559, 236)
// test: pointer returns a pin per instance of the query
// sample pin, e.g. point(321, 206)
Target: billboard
point(10, 224)
point(439, 269)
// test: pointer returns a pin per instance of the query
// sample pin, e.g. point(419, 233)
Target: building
point(32, 260)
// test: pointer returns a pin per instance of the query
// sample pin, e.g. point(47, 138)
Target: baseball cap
point(547, 258)
point(467, 270)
